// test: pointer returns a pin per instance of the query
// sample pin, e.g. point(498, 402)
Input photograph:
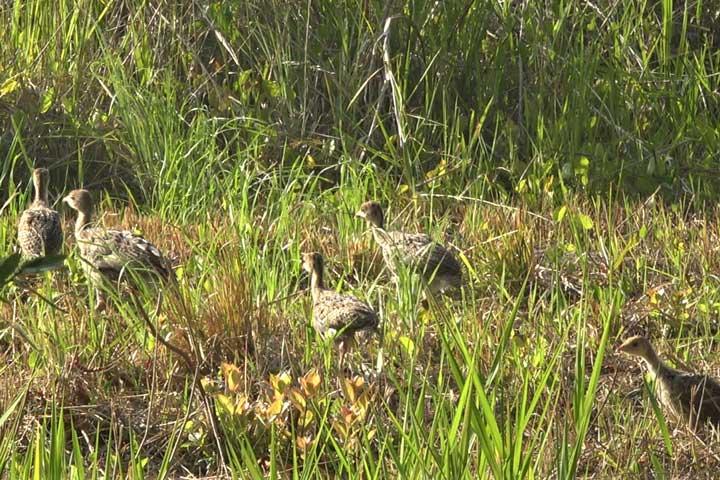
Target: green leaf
point(8, 267)
point(560, 213)
point(43, 264)
point(47, 100)
point(408, 345)
point(585, 221)
point(9, 410)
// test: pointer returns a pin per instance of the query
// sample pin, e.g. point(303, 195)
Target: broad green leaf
point(585, 221)
point(8, 267)
point(43, 264)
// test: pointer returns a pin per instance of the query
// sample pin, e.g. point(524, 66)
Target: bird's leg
point(341, 360)
point(346, 345)
point(100, 301)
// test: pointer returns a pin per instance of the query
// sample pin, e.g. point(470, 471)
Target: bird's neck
point(82, 221)
point(379, 234)
point(41, 194)
point(653, 362)
point(316, 283)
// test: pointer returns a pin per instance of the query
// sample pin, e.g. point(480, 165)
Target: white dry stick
point(390, 78)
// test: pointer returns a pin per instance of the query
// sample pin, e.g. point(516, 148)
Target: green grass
point(551, 143)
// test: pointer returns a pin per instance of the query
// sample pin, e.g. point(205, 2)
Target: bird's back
point(421, 253)
point(693, 397)
point(337, 312)
point(114, 251)
point(39, 231)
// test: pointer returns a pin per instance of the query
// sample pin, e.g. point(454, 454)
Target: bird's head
point(312, 262)
point(372, 213)
point(41, 176)
point(637, 346)
point(79, 200)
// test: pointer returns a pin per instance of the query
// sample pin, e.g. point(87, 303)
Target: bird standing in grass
point(112, 254)
point(333, 312)
point(39, 230)
point(694, 398)
point(438, 267)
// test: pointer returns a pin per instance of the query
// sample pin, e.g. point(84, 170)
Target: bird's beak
point(360, 214)
point(66, 200)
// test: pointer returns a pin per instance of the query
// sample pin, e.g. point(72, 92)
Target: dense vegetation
point(567, 149)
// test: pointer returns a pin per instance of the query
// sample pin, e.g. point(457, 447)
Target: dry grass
point(109, 377)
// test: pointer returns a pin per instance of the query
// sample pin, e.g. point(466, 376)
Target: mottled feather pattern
point(341, 313)
point(39, 232)
point(420, 252)
point(113, 251)
point(695, 398)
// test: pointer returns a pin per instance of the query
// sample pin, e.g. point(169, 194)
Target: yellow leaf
point(310, 161)
point(363, 401)
point(9, 86)
point(310, 383)
point(280, 382)
point(226, 404)
point(347, 415)
point(402, 188)
point(297, 398)
point(242, 405)
point(352, 387)
point(232, 376)
point(303, 442)
point(340, 428)
point(275, 407)
point(307, 418)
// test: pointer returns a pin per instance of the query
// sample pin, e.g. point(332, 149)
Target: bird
point(691, 397)
point(39, 229)
point(435, 263)
point(113, 254)
point(336, 314)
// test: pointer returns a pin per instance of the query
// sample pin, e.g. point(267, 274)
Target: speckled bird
point(335, 313)
point(39, 230)
point(437, 265)
point(109, 254)
point(690, 397)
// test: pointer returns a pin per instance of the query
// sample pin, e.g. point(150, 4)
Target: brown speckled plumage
point(39, 230)
point(692, 398)
point(110, 254)
point(333, 312)
point(438, 266)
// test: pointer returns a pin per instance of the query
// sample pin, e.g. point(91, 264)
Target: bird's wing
point(346, 313)
point(698, 392)
point(419, 249)
point(410, 248)
point(115, 250)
